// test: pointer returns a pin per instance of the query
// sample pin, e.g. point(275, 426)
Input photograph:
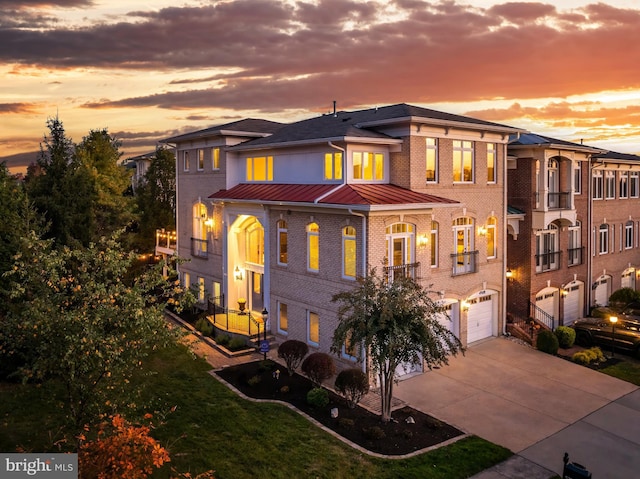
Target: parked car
point(601, 332)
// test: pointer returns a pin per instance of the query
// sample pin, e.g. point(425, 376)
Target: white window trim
point(284, 332)
point(495, 163)
point(346, 237)
point(199, 157)
point(623, 175)
point(373, 179)
point(309, 235)
point(598, 180)
point(577, 185)
point(603, 237)
point(213, 158)
point(462, 149)
point(495, 241)
point(635, 177)
point(309, 341)
point(433, 148)
point(610, 185)
point(280, 230)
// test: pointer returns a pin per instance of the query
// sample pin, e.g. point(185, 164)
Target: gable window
point(634, 184)
point(333, 166)
point(200, 159)
point(283, 257)
point(313, 328)
point(491, 162)
point(434, 244)
point(215, 158)
point(349, 252)
point(597, 185)
point(462, 161)
point(547, 254)
point(368, 166)
point(185, 160)
point(575, 250)
point(492, 246)
point(628, 235)
point(577, 178)
point(432, 160)
point(624, 184)
point(283, 318)
point(603, 233)
point(199, 246)
point(313, 247)
point(464, 257)
point(260, 168)
point(609, 185)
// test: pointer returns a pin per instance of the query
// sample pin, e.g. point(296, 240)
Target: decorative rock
point(410, 420)
point(334, 412)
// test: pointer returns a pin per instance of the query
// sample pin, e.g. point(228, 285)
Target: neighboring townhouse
point(615, 225)
point(295, 213)
point(569, 244)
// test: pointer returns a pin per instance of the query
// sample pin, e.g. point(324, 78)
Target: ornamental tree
point(395, 323)
point(293, 352)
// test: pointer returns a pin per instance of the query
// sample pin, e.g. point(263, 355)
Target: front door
point(256, 281)
point(463, 247)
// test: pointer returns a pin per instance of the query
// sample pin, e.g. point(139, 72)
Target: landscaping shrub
point(318, 397)
point(204, 326)
point(223, 339)
point(318, 367)
point(353, 384)
point(293, 352)
point(374, 432)
point(566, 336)
point(622, 297)
point(588, 356)
point(547, 342)
point(235, 344)
point(254, 380)
point(346, 422)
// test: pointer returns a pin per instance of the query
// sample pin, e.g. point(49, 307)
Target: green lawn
point(212, 428)
point(626, 370)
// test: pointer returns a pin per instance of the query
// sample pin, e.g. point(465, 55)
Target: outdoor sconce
point(209, 223)
point(465, 305)
point(482, 230)
point(564, 293)
point(423, 241)
point(510, 274)
point(237, 273)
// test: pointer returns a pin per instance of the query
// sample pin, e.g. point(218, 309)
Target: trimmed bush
point(236, 344)
point(204, 326)
point(566, 336)
point(293, 352)
point(318, 397)
point(374, 433)
point(623, 297)
point(223, 339)
point(254, 380)
point(547, 342)
point(318, 367)
point(353, 384)
point(588, 356)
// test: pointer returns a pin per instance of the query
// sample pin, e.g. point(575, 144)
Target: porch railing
point(199, 248)
point(240, 322)
point(464, 263)
point(575, 255)
point(559, 200)
point(411, 270)
point(542, 316)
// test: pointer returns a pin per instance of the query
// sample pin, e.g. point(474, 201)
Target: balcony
point(547, 261)
point(557, 206)
point(166, 242)
point(559, 201)
point(412, 270)
point(464, 263)
point(575, 256)
point(199, 248)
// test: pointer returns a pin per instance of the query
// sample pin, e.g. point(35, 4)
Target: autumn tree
point(394, 323)
point(78, 317)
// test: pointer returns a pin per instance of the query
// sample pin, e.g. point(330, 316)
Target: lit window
point(333, 166)
point(349, 252)
point(185, 160)
point(313, 247)
point(610, 185)
point(217, 293)
point(255, 243)
point(492, 246)
point(434, 244)
point(313, 328)
point(201, 290)
point(491, 162)
point(283, 319)
point(186, 280)
point(260, 168)
point(577, 178)
point(604, 238)
point(432, 160)
point(368, 166)
point(349, 349)
point(199, 233)
point(463, 161)
point(282, 242)
point(597, 185)
point(215, 158)
point(200, 159)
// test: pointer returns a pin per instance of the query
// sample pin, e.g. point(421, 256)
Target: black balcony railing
point(559, 201)
point(548, 261)
point(464, 263)
point(411, 270)
point(575, 255)
point(199, 248)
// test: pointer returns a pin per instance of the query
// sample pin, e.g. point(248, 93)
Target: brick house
point(282, 217)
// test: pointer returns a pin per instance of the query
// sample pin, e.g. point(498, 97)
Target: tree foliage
point(395, 323)
point(318, 367)
point(353, 384)
point(77, 316)
point(293, 352)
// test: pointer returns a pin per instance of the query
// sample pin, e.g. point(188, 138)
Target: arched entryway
point(246, 258)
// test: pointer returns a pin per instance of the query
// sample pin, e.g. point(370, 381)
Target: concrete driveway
point(534, 404)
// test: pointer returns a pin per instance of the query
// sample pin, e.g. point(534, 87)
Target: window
point(313, 247)
point(255, 243)
point(333, 166)
point(186, 280)
point(368, 166)
point(400, 238)
point(313, 328)
point(283, 257)
point(349, 350)
point(492, 246)
point(260, 168)
point(634, 184)
point(577, 178)
point(609, 185)
point(491, 162)
point(434, 244)
point(215, 158)
point(462, 161)
point(200, 159)
point(283, 318)
point(628, 235)
point(217, 293)
point(575, 251)
point(185, 160)
point(349, 252)
point(432, 160)
point(604, 239)
point(201, 290)
point(597, 185)
point(464, 256)
point(547, 254)
point(624, 184)
point(199, 232)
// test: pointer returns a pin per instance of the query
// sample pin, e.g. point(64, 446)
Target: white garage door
point(602, 292)
point(546, 301)
point(573, 303)
point(450, 318)
point(629, 279)
point(480, 318)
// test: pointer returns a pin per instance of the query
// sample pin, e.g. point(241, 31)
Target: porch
point(233, 321)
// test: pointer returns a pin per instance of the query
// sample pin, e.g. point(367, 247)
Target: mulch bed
point(359, 425)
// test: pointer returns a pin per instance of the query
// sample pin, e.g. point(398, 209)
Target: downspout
point(590, 234)
point(504, 239)
point(344, 161)
point(364, 268)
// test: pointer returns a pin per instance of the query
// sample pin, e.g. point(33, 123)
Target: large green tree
point(78, 317)
point(393, 323)
point(156, 198)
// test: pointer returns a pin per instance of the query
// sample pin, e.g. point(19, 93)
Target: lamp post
point(613, 320)
point(265, 345)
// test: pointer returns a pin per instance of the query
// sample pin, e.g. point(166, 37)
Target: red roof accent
point(352, 194)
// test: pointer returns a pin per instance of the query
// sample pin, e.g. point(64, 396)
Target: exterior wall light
point(510, 275)
point(237, 274)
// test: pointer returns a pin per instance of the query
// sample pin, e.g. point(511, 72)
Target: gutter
point(364, 269)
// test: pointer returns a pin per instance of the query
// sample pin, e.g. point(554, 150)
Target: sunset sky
point(147, 70)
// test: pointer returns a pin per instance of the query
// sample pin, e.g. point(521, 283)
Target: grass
point(212, 428)
point(625, 370)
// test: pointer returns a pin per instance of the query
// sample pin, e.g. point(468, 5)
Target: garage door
point(480, 318)
point(450, 318)
point(602, 292)
point(573, 303)
point(629, 279)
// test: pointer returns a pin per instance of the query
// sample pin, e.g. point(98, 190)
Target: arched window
point(199, 233)
point(313, 247)
point(349, 252)
point(283, 257)
point(603, 234)
point(255, 243)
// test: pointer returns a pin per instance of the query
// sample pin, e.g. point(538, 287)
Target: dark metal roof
point(532, 139)
point(613, 155)
point(248, 125)
point(346, 195)
point(512, 210)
